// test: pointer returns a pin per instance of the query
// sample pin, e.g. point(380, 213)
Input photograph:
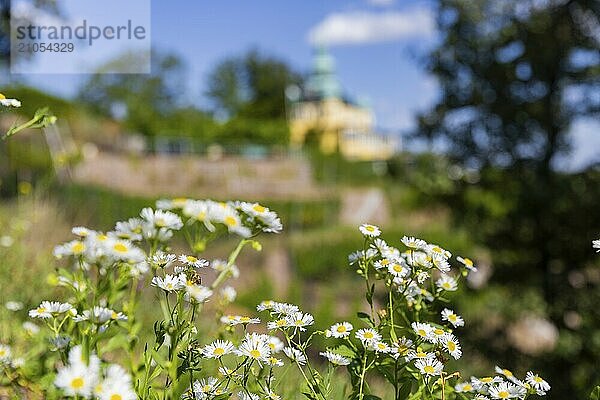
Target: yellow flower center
point(160, 222)
point(507, 372)
point(102, 237)
point(341, 329)
point(191, 259)
point(446, 285)
point(2, 352)
point(219, 351)
point(78, 248)
point(422, 332)
point(41, 310)
point(116, 396)
point(245, 319)
point(467, 387)
point(201, 216)
point(429, 369)
point(368, 335)
point(452, 317)
point(230, 221)
point(206, 388)
point(281, 322)
point(486, 380)
point(438, 331)
point(468, 262)
point(77, 383)
point(255, 353)
point(385, 261)
point(421, 354)
point(2, 97)
point(258, 208)
point(537, 379)
point(114, 315)
point(503, 394)
point(120, 247)
point(397, 267)
point(451, 346)
point(370, 228)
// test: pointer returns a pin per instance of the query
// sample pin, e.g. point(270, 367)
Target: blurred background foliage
point(514, 76)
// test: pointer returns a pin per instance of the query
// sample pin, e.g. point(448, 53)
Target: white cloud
point(357, 27)
point(381, 3)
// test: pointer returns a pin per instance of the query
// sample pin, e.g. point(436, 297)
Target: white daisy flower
point(482, 384)
point(368, 336)
point(464, 387)
point(9, 102)
point(450, 316)
point(132, 229)
point(47, 309)
point(30, 328)
point(233, 320)
point(116, 385)
point(278, 324)
point(275, 362)
point(275, 344)
point(504, 390)
point(171, 204)
point(398, 269)
point(285, 308)
point(78, 378)
point(596, 245)
point(381, 347)
point(467, 262)
point(429, 366)
point(339, 330)
point(423, 330)
point(217, 349)
point(228, 294)
point(295, 355)
point(72, 248)
point(13, 305)
point(205, 387)
point(197, 292)
point(268, 219)
point(536, 382)
point(162, 260)
point(506, 373)
point(255, 348)
point(192, 261)
point(441, 263)
point(300, 320)
point(335, 359)
point(414, 243)
point(451, 344)
point(170, 283)
point(265, 305)
point(369, 230)
point(446, 282)
point(161, 219)
point(5, 354)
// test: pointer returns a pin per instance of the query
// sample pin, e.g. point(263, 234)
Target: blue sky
point(376, 44)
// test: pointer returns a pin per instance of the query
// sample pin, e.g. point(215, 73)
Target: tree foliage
point(515, 75)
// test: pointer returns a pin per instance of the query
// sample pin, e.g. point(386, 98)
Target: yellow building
point(318, 112)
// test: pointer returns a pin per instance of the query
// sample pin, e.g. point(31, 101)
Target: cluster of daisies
point(411, 274)
point(241, 218)
point(504, 385)
point(87, 379)
point(410, 271)
point(6, 358)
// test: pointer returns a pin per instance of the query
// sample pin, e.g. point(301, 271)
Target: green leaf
point(595, 395)
point(365, 317)
point(344, 351)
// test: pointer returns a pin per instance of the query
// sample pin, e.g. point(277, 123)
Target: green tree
point(251, 86)
point(515, 75)
point(140, 100)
